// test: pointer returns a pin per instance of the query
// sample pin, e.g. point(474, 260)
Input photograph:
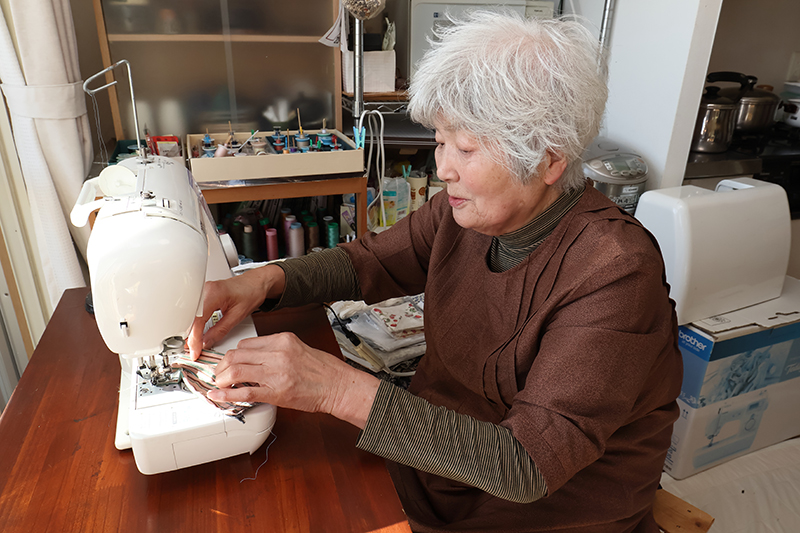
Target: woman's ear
point(556, 164)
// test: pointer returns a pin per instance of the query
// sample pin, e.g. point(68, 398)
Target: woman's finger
point(242, 394)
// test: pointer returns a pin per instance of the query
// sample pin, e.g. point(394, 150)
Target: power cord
point(380, 158)
point(364, 350)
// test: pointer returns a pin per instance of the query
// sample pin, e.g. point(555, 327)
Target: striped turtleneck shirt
point(411, 431)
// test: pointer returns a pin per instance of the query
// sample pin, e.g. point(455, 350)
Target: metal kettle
point(714, 127)
point(755, 105)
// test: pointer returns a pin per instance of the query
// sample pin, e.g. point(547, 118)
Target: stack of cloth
point(393, 331)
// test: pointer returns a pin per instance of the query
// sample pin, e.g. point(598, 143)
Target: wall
point(757, 38)
point(658, 55)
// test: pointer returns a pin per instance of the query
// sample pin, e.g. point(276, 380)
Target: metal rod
point(608, 7)
point(358, 69)
point(139, 149)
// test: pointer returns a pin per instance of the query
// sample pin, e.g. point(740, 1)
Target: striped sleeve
point(324, 276)
point(409, 430)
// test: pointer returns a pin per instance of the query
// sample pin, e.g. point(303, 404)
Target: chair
point(673, 515)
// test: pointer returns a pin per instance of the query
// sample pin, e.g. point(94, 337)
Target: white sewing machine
point(152, 247)
point(733, 430)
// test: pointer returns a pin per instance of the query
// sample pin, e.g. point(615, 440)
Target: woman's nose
point(445, 170)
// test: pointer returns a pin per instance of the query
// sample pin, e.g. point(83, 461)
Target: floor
point(756, 493)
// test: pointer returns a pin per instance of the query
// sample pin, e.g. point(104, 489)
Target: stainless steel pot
point(756, 106)
point(713, 130)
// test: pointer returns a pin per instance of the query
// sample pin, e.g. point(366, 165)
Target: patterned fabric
point(199, 378)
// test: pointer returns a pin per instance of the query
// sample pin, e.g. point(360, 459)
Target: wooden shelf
point(209, 37)
point(394, 96)
point(255, 190)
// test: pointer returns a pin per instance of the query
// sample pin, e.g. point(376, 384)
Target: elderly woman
point(545, 400)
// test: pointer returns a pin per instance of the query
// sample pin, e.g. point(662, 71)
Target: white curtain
point(43, 91)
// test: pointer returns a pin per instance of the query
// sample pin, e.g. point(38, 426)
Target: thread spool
point(237, 234)
point(263, 224)
point(302, 140)
point(287, 224)
point(333, 234)
point(295, 247)
point(326, 220)
point(250, 241)
point(272, 244)
point(285, 212)
point(312, 234)
point(259, 145)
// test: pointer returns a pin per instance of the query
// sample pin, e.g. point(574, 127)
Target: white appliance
point(616, 171)
point(724, 249)
point(152, 247)
point(427, 15)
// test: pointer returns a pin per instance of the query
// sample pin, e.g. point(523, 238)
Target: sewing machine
point(152, 247)
point(744, 418)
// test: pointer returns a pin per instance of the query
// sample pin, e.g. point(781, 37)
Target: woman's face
point(485, 196)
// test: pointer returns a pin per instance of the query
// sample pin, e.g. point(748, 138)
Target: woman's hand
point(293, 375)
point(236, 297)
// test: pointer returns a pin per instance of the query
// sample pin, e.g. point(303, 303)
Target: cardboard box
point(740, 389)
point(345, 161)
point(379, 72)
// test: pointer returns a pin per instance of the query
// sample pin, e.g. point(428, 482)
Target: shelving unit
point(198, 64)
point(387, 103)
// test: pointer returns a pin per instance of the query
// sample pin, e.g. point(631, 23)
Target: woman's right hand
point(236, 297)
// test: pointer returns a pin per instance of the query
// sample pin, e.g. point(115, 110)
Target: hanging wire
point(380, 158)
point(103, 152)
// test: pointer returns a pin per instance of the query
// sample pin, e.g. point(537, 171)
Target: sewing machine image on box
point(152, 247)
point(732, 430)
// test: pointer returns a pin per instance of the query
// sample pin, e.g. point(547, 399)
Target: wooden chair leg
point(673, 515)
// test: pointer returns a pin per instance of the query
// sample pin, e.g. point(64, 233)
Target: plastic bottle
point(396, 198)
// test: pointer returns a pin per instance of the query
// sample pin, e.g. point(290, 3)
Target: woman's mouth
point(456, 202)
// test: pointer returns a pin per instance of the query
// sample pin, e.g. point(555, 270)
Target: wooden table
point(59, 470)
point(266, 190)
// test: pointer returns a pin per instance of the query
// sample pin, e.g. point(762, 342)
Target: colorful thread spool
point(272, 244)
point(333, 234)
point(250, 242)
point(295, 246)
point(287, 224)
point(302, 141)
point(312, 234)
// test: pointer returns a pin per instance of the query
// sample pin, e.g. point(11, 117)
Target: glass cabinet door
point(211, 65)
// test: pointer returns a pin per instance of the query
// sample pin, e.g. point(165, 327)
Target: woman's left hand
point(292, 374)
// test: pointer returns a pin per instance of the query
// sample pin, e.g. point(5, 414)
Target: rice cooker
point(616, 171)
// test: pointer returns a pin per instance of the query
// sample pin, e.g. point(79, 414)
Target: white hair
point(523, 88)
